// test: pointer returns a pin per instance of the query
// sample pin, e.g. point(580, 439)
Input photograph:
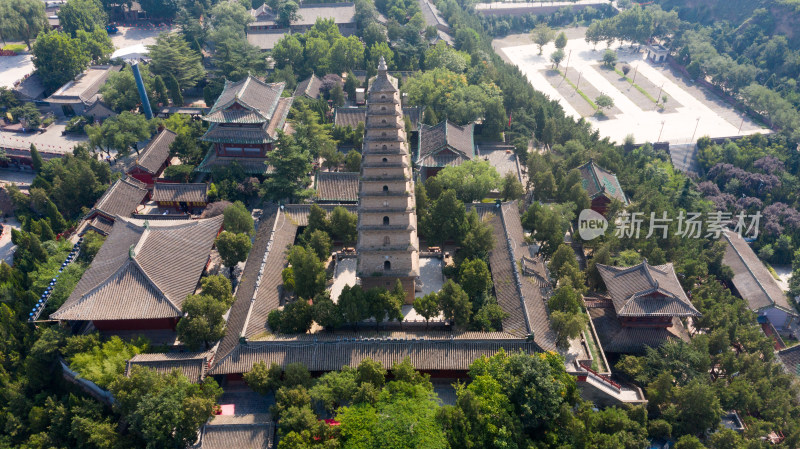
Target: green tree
point(58, 58)
point(604, 101)
point(478, 239)
point(455, 304)
point(179, 173)
point(292, 163)
point(96, 44)
point(320, 242)
point(475, 278)
point(347, 53)
point(511, 188)
point(310, 133)
point(344, 225)
point(561, 41)
point(442, 55)
point(567, 326)
point(404, 419)
point(218, 287)
point(563, 256)
point(171, 56)
point(103, 363)
point(352, 161)
point(325, 312)
point(120, 133)
point(234, 58)
point(263, 379)
point(120, 91)
point(378, 50)
point(353, 304)
point(233, 248)
point(698, 408)
point(288, 52)
point(28, 115)
point(565, 299)
point(427, 306)
point(542, 35)
point(609, 58)
point(165, 410)
point(81, 15)
point(472, 180)
point(23, 19)
point(335, 388)
point(309, 272)
point(557, 56)
point(174, 89)
point(160, 90)
point(489, 317)
point(238, 219)
point(203, 323)
point(447, 219)
point(36, 159)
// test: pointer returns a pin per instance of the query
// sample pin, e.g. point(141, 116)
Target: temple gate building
point(388, 246)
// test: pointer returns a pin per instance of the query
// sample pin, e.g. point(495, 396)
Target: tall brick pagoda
point(388, 246)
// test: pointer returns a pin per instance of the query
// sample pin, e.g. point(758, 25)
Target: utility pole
point(566, 67)
point(580, 74)
point(740, 126)
point(695, 129)
point(662, 130)
point(659, 94)
point(635, 70)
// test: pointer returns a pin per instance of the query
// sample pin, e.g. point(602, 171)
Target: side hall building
point(245, 121)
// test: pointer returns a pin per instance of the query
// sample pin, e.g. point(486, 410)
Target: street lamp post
point(662, 130)
point(695, 129)
point(580, 74)
point(566, 67)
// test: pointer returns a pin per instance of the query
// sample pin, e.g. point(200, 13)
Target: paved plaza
point(691, 112)
point(430, 276)
point(52, 140)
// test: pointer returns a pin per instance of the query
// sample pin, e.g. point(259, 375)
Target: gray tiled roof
point(255, 100)
point(122, 198)
point(180, 192)
point(144, 270)
point(751, 278)
point(309, 87)
point(445, 144)
point(266, 39)
point(85, 87)
point(790, 357)
point(329, 355)
point(193, 365)
point(646, 290)
point(337, 186)
point(599, 182)
point(616, 338)
point(153, 156)
point(250, 165)
point(298, 213)
point(237, 432)
point(431, 14)
point(523, 301)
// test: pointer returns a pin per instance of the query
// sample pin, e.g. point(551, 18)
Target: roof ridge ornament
point(382, 68)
